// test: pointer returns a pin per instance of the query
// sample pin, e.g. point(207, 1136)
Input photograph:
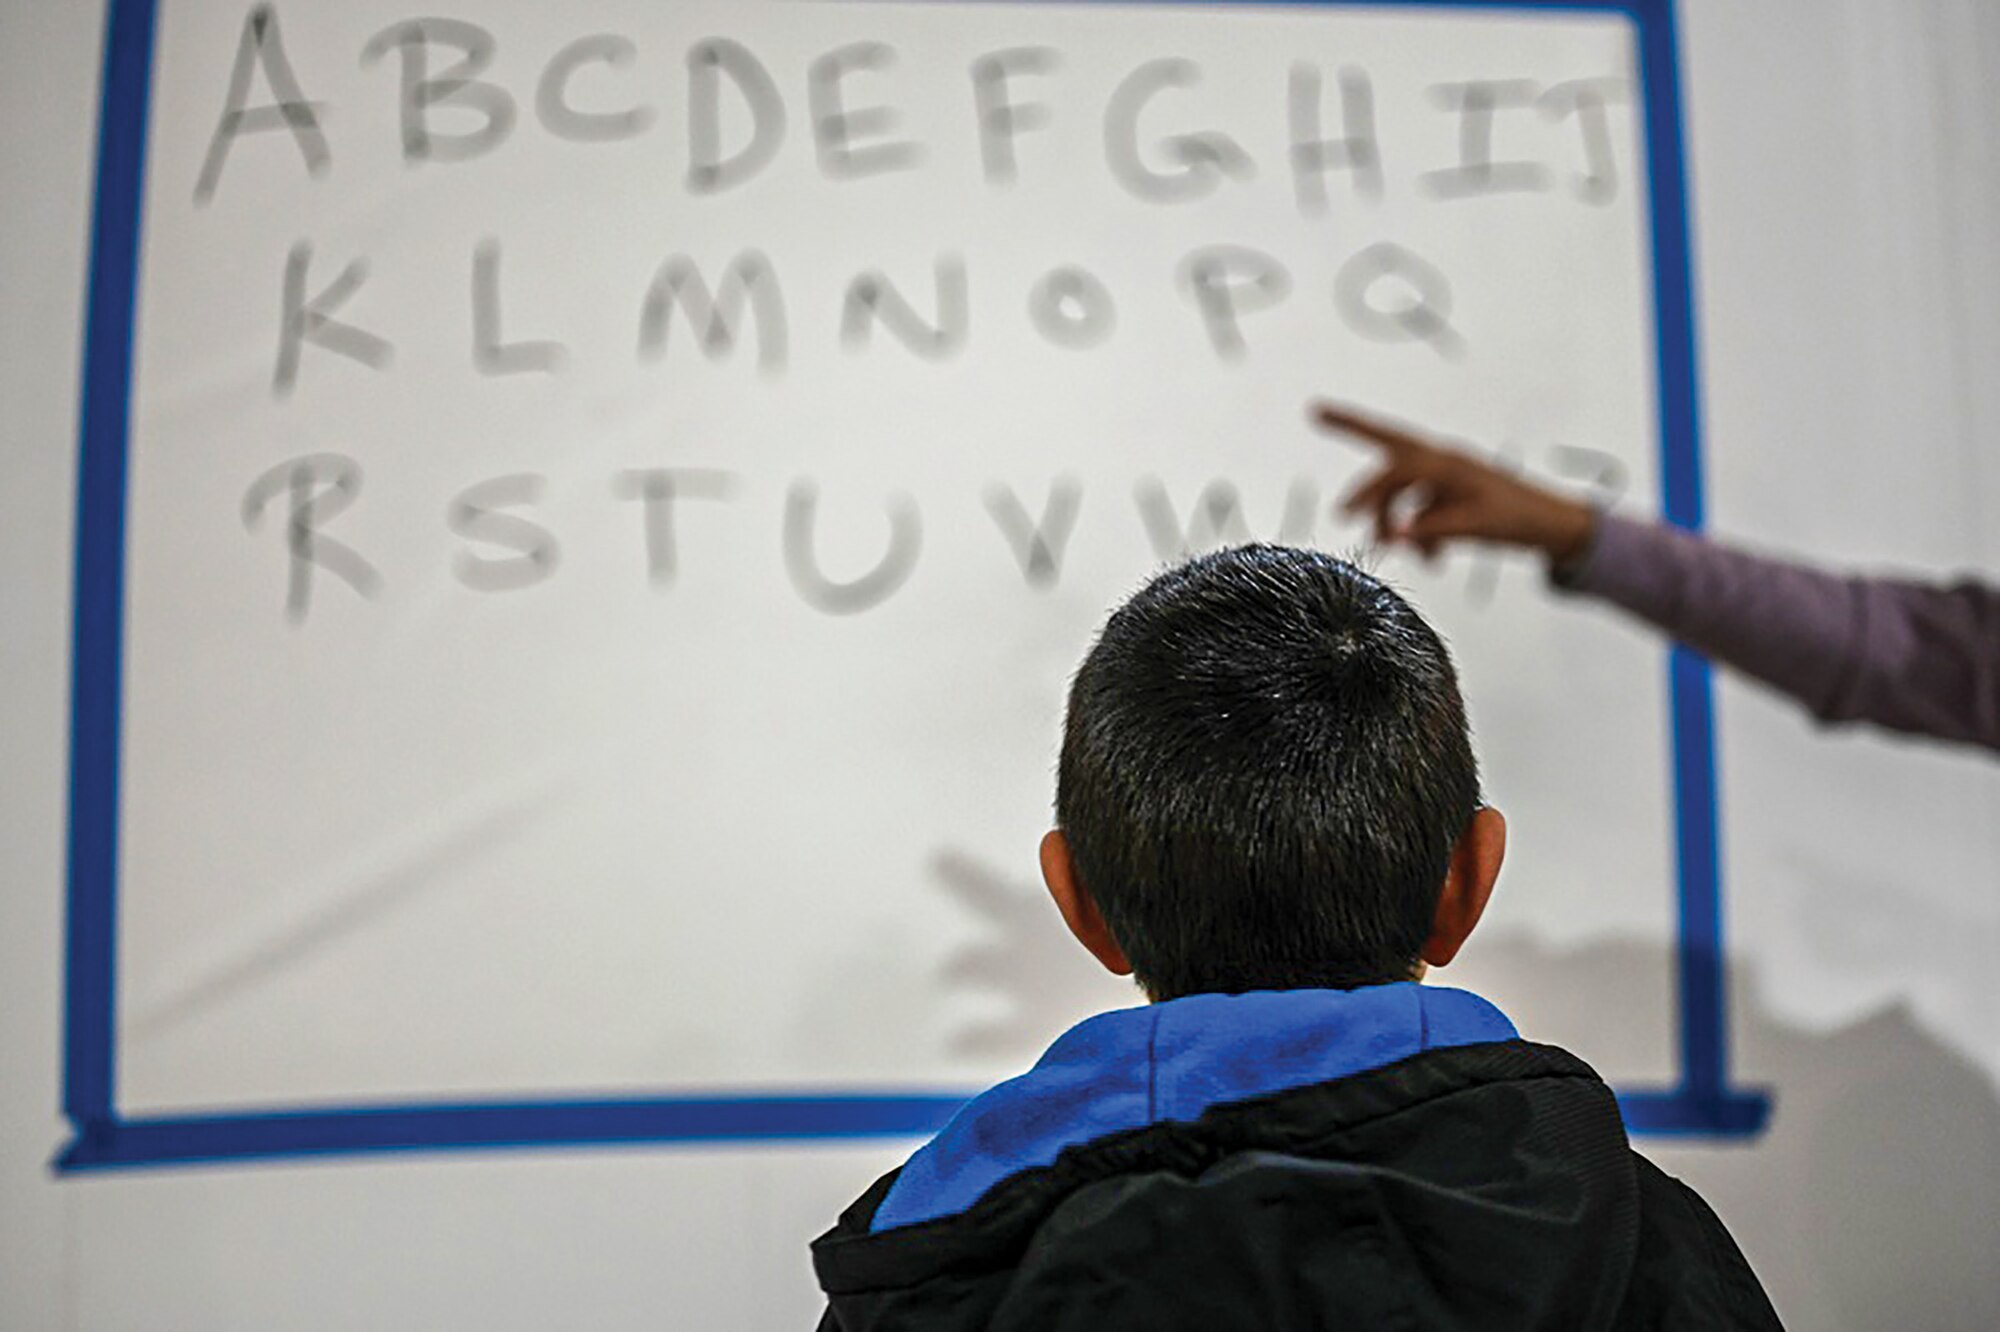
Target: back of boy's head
point(1265, 767)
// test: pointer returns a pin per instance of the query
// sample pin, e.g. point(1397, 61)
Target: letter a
point(261, 46)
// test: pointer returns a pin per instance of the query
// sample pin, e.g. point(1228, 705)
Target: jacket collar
point(1170, 1062)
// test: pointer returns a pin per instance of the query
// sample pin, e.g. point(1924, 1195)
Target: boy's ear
point(1468, 884)
point(1079, 910)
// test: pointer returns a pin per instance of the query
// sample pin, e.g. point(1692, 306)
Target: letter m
point(715, 314)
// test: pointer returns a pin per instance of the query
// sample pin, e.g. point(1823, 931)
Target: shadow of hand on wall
point(1024, 958)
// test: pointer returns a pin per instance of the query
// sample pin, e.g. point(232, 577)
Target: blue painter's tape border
point(98, 627)
point(1704, 1103)
point(1705, 1100)
point(341, 1130)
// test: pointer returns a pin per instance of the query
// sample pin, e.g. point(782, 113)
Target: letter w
point(1218, 519)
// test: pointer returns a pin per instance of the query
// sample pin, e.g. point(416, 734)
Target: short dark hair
point(1265, 766)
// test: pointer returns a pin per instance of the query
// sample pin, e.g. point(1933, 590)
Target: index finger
point(1335, 416)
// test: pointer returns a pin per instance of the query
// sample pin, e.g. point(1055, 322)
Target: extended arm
point(1910, 656)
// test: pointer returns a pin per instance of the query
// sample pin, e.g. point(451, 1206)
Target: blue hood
point(1139, 1066)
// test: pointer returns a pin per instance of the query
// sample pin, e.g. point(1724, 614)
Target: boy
point(1268, 813)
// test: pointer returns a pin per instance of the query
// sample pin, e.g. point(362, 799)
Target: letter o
point(1072, 308)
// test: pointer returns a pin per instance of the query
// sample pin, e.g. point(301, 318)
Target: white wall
point(1847, 183)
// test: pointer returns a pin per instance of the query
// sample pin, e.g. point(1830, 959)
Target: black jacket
point(1482, 1186)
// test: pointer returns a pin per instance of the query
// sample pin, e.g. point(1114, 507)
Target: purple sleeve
point(1910, 656)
